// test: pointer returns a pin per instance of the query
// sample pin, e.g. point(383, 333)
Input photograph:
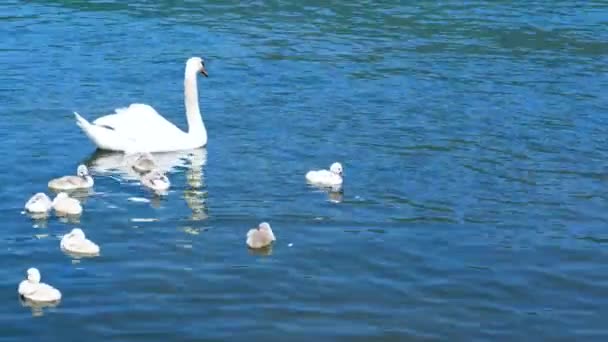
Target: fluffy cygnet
point(32, 289)
point(64, 204)
point(82, 180)
point(143, 162)
point(76, 242)
point(331, 177)
point(155, 180)
point(260, 237)
point(40, 203)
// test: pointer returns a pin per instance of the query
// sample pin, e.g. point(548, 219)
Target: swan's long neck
point(196, 127)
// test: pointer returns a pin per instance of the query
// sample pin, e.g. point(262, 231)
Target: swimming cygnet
point(260, 237)
point(32, 289)
point(76, 242)
point(143, 162)
point(82, 180)
point(40, 203)
point(331, 177)
point(64, 204)
point(156, 180)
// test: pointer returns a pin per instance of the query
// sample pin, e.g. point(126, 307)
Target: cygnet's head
point(195, 65)
point(145, 155)
point(33, 275)
point(40, 196)
point(61, 195)
point(265, 227)
point(336, 168)
point(163, 178)
point(82, 171)
point(77, 232)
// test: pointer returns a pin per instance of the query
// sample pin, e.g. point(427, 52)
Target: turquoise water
point(473, 138)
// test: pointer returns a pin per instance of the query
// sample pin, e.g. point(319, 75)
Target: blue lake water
point(473, 138)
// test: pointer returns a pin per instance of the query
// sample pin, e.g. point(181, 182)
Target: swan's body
point(329, 178)
point(143, 162)
point(76, 242)
point(40, 203)
point(139, 128)
point(260, 237)
point(66, 205)
point(82, 180)
point(32, 289)
point(155, 180)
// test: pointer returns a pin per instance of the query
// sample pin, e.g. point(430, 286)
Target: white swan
point(76, 242)
point(40, 203)
point(142, 162)
point(32, 289)
point(66, 205)
point(260, 237)
point(329, 178)
point(139, 128)
point(155, 180)
point(82, 180)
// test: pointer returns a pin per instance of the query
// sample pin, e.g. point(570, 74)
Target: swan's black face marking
point(203, 70)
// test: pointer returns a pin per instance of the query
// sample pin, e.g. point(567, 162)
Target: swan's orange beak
point(204, 72)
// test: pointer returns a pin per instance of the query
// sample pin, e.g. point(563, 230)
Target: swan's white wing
point(318, 175)
point(45, 293)
point(25, 288)
point(137, 122)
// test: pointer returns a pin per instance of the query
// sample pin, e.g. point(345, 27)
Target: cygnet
point(76, 242)
point(155, 180)
point(82, 180)
point(329, 178)
point(40, 203)
point(260, 237)
point(32, 289)
point(66, 205)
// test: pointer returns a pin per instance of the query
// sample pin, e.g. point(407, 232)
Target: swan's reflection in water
point(266, 251)
point(156, 199)
point(335, 193)
point(36, 307)
point(39, 219)
point(336, 196)
point(117, 165)
point(65, 218)
point(40, 224)
point(194, 194)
